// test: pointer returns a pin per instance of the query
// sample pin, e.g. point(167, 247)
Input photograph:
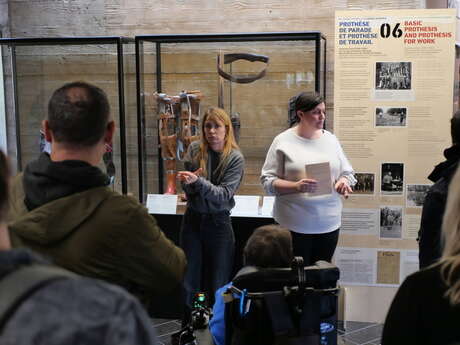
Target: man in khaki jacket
point(43, 305)
point(61, 205)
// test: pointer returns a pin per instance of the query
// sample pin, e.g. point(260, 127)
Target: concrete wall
point(4, 23)
point(4, 32)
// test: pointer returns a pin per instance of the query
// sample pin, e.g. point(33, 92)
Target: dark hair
point(269, 246)
point(4, 193)
point(307, 101)
point(304, 101)
point(78, 118)
point(455, 127)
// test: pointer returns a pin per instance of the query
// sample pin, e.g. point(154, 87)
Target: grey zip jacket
point(213, 193)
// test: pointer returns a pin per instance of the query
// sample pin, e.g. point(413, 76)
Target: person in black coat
point(426, 308)
point(429, 236)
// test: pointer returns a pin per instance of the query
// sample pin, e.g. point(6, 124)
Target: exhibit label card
point(357, 265)
point(246, 206)
point(267, 206)
point(360, 221)
point(409, 263)
point(321, 172)
point(162, 203)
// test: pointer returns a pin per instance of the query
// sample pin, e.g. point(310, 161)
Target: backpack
point(16, 287)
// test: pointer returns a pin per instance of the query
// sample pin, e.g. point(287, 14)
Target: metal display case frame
point(158, 40)
point(118, 41)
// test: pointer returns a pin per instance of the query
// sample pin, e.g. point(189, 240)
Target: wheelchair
point(283, 306)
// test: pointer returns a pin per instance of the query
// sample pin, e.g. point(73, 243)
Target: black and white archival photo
point(393, 75)
point(390, 221)
point(415, 194)
point(392, 178)
point(365, 183)
point(390, 117)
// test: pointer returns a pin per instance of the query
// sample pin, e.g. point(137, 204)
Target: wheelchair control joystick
point(200, 316)
point(201, 313)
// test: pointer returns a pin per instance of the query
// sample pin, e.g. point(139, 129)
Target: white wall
point(367, 304)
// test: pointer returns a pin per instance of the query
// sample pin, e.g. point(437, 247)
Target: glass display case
point(34, 67)
point(252, 76)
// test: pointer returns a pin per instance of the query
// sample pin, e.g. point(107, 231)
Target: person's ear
point(109, 132)
point(47, 131)
point(299, 114)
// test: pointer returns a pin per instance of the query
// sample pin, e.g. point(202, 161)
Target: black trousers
point(314, 247)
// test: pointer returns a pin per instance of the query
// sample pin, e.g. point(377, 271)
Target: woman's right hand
point(306, 185)
point(189, 177)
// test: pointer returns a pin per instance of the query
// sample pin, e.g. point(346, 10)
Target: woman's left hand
point(188, 177)
point(342, 187)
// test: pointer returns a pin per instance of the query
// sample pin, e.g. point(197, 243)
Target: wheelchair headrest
point(322, 275)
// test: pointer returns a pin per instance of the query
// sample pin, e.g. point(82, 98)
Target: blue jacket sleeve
point(217, 322)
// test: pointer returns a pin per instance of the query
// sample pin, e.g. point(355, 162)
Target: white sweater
point(286, 159)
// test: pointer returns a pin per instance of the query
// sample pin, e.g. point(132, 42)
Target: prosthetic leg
point(189, 120)
point(168, 136)
point(178, 127)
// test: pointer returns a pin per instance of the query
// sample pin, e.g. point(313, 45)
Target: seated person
point(69, 310)
point(270, 246)
point(426, 308)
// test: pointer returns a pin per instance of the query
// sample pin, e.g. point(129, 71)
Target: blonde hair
point(450, 261)
point(216, 114)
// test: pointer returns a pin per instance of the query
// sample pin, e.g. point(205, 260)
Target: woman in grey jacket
point(214, 170)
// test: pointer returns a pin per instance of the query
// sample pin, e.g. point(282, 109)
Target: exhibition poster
point(393, 96)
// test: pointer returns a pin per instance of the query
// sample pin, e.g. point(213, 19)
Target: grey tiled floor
point(359, 333)
point(349, 333)
point(164, 328)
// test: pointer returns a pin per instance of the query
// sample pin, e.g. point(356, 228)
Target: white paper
point(409, 263)
point(412, 227)
point(162, 203)
point(357, 265)
point(321, 172)
point(360, 221)
point(267, 206)
point(246, 206)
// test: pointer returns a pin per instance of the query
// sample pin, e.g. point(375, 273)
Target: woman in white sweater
point(314, 220)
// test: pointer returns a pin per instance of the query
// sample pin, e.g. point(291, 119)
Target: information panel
point(393, 92)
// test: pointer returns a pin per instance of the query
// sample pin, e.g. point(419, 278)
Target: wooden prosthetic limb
point(189, 120)
point(168, 137)
point(178, 126)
